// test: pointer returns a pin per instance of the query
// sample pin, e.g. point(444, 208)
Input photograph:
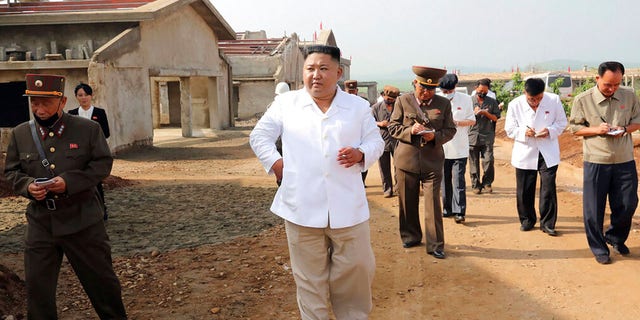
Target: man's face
point(320, 75)
point(389, 100)
point(45, 107)
point(423, 93)
point(83, 98)
point(534, 101)
point(482, 89)
point(609, 83)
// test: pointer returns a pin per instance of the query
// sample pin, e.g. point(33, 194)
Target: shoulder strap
point(36, 141)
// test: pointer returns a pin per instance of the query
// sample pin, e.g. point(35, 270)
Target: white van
point(566, 87)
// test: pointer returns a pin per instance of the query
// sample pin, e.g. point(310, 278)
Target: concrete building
point(150, 62)
point(259, 63)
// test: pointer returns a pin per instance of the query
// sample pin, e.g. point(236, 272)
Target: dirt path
point(193, 239)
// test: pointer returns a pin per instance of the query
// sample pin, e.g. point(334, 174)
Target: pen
point(603, 119)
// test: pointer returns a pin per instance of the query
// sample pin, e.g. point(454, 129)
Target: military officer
point(65, 214)
point(421, 122)
point(351, 86)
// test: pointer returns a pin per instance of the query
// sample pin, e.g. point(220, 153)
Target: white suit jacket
point(462, 109)
point(550, 115)
point(316, 191)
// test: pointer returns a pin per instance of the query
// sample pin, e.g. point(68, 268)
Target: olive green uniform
point(69, 223)
point(420, 163)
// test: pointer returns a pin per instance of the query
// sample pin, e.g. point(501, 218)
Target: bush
point(507, 91)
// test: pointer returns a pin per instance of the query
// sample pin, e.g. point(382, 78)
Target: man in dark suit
point(421, 122)
point(64, 215)
point(84, 95)
point(381, 112)
point(482, 136)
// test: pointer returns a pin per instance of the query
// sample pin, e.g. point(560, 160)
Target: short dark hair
point(612, 66)
point(484, 82)
point(334, 52)
point(87, 89)
point(534, 86)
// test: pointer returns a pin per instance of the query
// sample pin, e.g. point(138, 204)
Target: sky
point(388, 37)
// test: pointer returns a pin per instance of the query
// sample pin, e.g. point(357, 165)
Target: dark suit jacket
point(98, 115)
point(409, 155)
point(81, 157)
point(484, 131)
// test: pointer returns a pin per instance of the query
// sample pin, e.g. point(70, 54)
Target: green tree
point(507, 91)
point(555, 88)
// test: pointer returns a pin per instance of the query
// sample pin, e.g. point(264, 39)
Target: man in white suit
point(328, 138)
point(535, 120)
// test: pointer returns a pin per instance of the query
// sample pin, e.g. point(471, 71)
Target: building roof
point(242, 46)
point(17, 7)
point(105, 11)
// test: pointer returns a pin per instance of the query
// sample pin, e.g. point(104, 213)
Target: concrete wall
point(37, 39)
point(254, 66)
point(255, 96)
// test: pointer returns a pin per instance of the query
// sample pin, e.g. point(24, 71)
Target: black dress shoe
point(603, 259)
point(458, 218)
point(620, 248)
point(447, 215)
point(410, 244)
point(438, 254)
point(526, 227)
point(549, 231)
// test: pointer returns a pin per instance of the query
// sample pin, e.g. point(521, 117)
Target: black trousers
point(486, 153)
point(89, 254)
point(454, 197)
point(384, 164)
point(526, 194)
point(619, 182)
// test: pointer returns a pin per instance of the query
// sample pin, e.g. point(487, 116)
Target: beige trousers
point(333, 270)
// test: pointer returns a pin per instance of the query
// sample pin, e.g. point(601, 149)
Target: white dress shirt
point(85, 113)
point(316, 191)
point(462, 109)
point(520, 115)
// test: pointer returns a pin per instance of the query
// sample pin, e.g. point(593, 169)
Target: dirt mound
point(12, 292)
point(570, 145)
point(113, 182)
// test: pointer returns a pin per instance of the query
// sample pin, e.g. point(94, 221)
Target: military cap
point(391, 91)
point(427, 76)
point(351, 84)
point(449, 81)
point(44, 85)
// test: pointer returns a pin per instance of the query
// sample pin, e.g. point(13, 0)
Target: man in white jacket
point(328, 138)
point(456, 151)
point(535, 120)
